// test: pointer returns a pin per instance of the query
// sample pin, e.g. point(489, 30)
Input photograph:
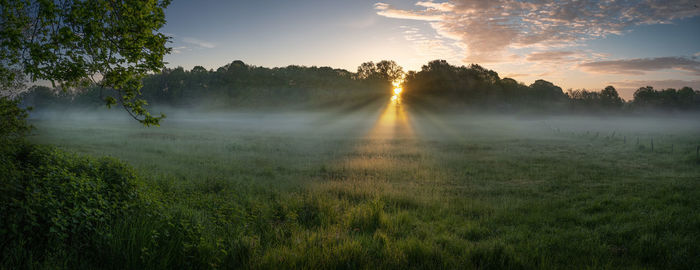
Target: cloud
point(551, 56)
point(179, 49)
point(388, 11)
point(486, 30)
point(640, 66)
point(198, 42)
point(659, 84)
point(436, 6)
point(514, 75)
point(431, 47)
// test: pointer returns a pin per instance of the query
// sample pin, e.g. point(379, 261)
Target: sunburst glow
point(397, 90)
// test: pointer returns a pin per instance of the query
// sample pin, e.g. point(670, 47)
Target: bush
point(61, 210)
point(13, 124)
point(67, 211)
point(52, 202)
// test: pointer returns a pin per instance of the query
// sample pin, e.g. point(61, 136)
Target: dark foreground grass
point(417, 191)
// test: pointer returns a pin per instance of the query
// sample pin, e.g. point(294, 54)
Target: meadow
point(386, 186)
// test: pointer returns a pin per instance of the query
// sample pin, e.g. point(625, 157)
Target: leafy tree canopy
point(384, 71)
point(72, 43)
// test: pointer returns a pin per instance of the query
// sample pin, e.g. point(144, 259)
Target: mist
point(355, 121)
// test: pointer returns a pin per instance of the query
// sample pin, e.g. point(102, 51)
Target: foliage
point(384, 71)
point(648, 97)
point(438, 83)
point(79, 211)
point(53, 202)
point(605, 100)
point(546, 90)
point(609, 98)
point(13, 123)
point(70, 42)
point(483, 88)
point(86, 213)
point(476, 86)
point(241, 85)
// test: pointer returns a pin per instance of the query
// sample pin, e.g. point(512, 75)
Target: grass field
point(388, 187)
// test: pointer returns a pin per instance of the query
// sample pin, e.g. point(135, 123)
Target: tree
point(384, 71)
point(609, 98)
point(198, 69)
point(366, 70)
point(686, 97)
point(645, 96)
point(546, 90)
point(73, 43)
point(389, 70)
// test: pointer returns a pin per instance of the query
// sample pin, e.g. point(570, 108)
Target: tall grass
point(479, 194)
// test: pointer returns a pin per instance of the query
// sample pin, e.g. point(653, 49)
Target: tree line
point(437, 83)
point(238, 84)
point(477, 86)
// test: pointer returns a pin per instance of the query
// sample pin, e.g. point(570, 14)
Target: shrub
point(12, 119)
point(61, 210)
point(52, 202)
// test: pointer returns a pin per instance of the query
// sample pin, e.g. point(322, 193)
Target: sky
point(574, 44)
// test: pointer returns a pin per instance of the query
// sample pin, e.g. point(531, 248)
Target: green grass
point(438, 191)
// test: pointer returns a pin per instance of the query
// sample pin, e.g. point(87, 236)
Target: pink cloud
point(485, 30)
point(640, 66)
point(550, 56)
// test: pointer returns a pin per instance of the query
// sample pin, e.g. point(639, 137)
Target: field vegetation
point(393, 186)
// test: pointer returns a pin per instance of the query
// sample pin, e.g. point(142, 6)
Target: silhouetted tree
point(546, 90)
point(476, 85)
point(384, 71)
point(648, 97)
point(686, 97)
point(198, 69)
point(610, 99)
point(591, 101)
point(366, 70)
point(389, 70)
point(238, 83)
point(645, 96)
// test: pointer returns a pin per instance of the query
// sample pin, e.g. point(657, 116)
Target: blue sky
point(575, 44)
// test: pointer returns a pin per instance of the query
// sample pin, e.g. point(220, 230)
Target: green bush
point(51, 201)
point(13, 124)
point(67, 211)
point(61, 210)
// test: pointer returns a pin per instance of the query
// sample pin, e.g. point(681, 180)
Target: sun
point(397, 89)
